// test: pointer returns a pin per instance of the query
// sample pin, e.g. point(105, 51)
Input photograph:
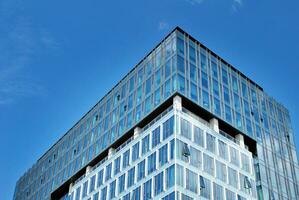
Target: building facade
point(182, 124)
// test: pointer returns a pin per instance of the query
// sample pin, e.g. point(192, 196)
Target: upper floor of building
point(178, 65)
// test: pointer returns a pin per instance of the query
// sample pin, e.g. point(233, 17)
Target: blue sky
point(58, 58)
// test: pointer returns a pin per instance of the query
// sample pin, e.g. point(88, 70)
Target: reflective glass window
point(167, 91)
point(245, 162)
point(135, 152)
point(131, 177)
point(78, 193)
point(136, 194)
point(112, 189)
point(92, 184)
point(147, 189)
point(158, 78)
point(145, 144)
point(185, 128)
point(116, 165)
point(198, 136)
point(204, 81)
point(203, 60)
point(235, 84)
point(218, 192)
point(141, 170)
point(193, 73)
point(221, 171)
point(156, 137)
point(194, 94)
point(205, 188)
point(230, 195)
point(217, 109)
point(159, 183)
point(126, 159)
point(181, 65)
point(168, 127)
point(148, 85)
point(191, 181)
point(206, 99)
point(192, 54)
point(232, 177)
point(151, 163)
point(211, 145)
point(84, 189)
point(100, 178)
point(208, 164)
point(222, 148)
point(170, 176)
point(104, 193)
point(167, 69)
point(148, 104)
point(181, 83)
point(234, 156)
point(195, 158)
point(163, 155)
point(121, 183)
point(179, 175)
point(180, 45)
point(108, 172)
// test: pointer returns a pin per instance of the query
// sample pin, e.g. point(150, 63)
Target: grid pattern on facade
point(179, 64)
point(142, 168)
point(154, 165)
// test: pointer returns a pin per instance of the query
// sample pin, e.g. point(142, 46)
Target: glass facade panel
point(232, 177)
point(131, 177)
point(218, 192)
point(126, 159)
point(186, 128)
point(147, 189)
point(135, 152)
point(159, 183)
point(191, 181)
point(141, 170)
point(230, 195)
point(211, 143)
point(121, 183)
point(179, 175)
point(197, 171)
point(221, 171)
point(222, 148)
point(234, 156)
point(205, 188)
point(208, 164)
point(195, 157)
point(163, 155)
point(156, 137)
point(145, 144)
point(151, 163)
point(168, 128)
point(185, 67)
point(170, 177)
point(198, 136)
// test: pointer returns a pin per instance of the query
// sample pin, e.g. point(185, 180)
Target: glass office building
point(182, 124)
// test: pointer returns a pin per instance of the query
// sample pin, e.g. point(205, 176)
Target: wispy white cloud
point(236, 5)
point(48, 41)
point(21, 42)
point(194, 2)
point(239, 1)
point(163, 25)
point(15, 89)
